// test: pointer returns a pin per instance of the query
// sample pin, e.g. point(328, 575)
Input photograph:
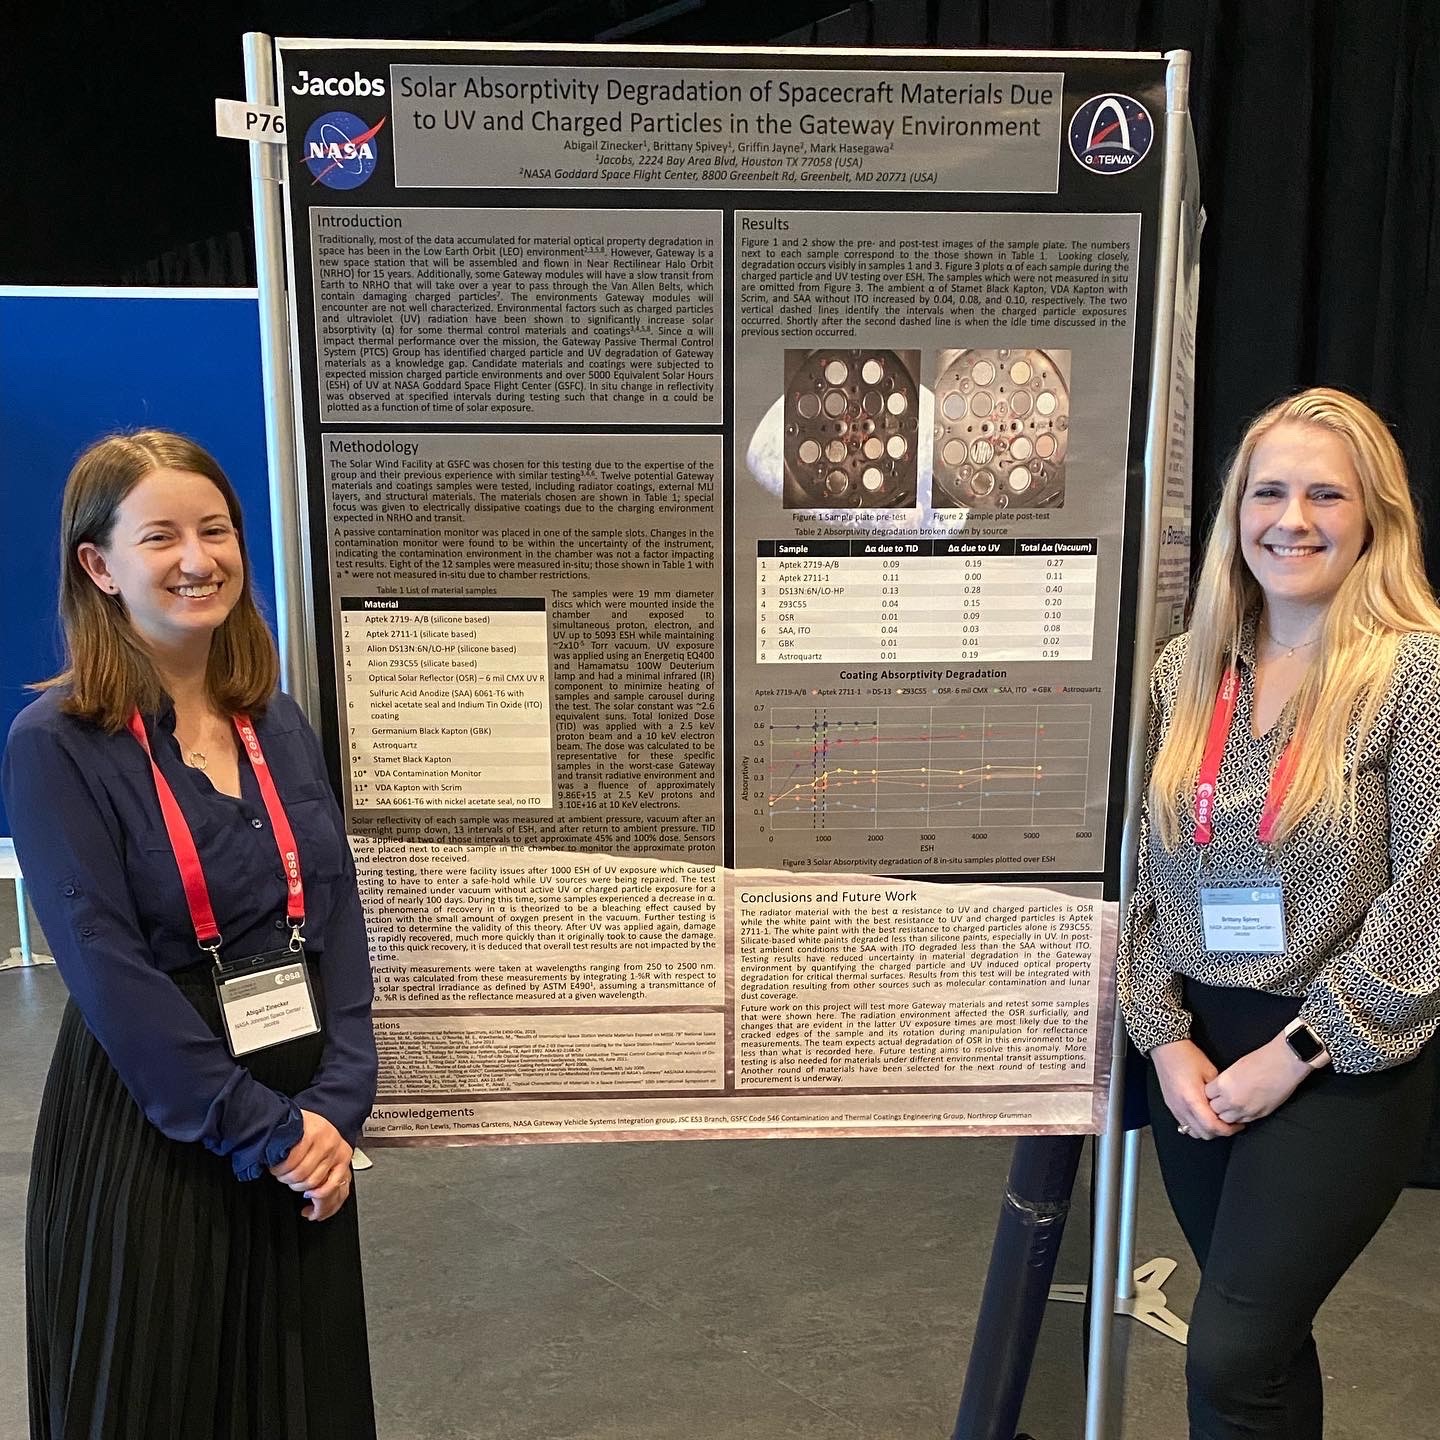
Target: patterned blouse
point(1362, 910)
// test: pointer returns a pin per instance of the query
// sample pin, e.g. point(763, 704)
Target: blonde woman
point(191, 1253)
point(1281, 964)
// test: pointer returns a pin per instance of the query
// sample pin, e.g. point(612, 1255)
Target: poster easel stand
point(288, 548)
point(1114, 1200)
point(1042, 1174)
point(1007, 1331)
point(1027, 1243)
point(24, 954)
point(1139, 1290)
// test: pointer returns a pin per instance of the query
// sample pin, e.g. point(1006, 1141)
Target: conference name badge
point(266, 1001)
point(1243, 919)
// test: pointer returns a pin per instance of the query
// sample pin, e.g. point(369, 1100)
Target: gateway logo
point(341, 150)
point(1111, 134)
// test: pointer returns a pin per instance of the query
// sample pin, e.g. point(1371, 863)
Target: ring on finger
point(1186, 1131)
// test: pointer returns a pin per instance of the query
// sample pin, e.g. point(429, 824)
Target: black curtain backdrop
point(1318, 129)
point(1317, 123)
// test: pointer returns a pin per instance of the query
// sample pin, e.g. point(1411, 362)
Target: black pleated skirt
point(165, 1300)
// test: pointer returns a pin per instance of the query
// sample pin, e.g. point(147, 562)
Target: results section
point(932, 415)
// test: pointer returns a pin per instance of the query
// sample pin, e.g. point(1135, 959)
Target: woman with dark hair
point(192, 1249)
point(1281, 961)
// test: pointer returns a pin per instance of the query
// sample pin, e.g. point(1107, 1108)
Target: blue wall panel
point(75, 365)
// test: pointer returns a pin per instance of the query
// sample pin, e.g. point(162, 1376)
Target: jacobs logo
point(356, 84)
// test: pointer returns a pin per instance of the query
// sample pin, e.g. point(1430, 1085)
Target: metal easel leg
point(1139, 1291)
point(24, 953)
point(1104, 1390)
point(1027, 1241)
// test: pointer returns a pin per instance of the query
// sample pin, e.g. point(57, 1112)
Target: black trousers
point(1275, 1216)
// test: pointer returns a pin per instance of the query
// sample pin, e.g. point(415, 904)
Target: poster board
point(724, 480)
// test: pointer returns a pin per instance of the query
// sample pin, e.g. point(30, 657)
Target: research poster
point(724, 483)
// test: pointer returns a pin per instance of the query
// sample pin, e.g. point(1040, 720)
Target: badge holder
point(265, 999)
point(1246, 919)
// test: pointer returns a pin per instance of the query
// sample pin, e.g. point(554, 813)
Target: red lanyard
point(1220, 724)
point(187, 857)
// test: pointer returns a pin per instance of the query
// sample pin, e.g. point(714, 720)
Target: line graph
point(997, 766)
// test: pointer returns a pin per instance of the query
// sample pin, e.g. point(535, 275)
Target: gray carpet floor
point(735, 1290)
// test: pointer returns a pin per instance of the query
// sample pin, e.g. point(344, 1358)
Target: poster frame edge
point(605, 48)
point(278, 365)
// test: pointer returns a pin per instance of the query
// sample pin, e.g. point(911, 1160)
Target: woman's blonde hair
point(108, 671)
point(1385, 596)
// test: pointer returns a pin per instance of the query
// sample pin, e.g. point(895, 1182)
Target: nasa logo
point(1110, 134)
point(341, 149)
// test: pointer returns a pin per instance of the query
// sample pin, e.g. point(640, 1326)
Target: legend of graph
point(931, 787)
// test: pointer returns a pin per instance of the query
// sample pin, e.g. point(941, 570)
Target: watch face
point(1304, 1042)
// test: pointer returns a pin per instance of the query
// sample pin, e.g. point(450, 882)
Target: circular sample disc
point(1002, 422)
point(850, 428)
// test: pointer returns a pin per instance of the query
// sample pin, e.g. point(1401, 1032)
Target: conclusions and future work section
point(528, 634)
point(476, 315)
point(542, 995)
point(931, 464)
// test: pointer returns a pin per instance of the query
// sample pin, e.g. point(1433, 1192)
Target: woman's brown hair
point(108, 671)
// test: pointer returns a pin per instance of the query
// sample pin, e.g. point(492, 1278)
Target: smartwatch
point(1306, 1045)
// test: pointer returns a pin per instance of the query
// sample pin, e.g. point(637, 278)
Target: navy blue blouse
point(104, 881)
